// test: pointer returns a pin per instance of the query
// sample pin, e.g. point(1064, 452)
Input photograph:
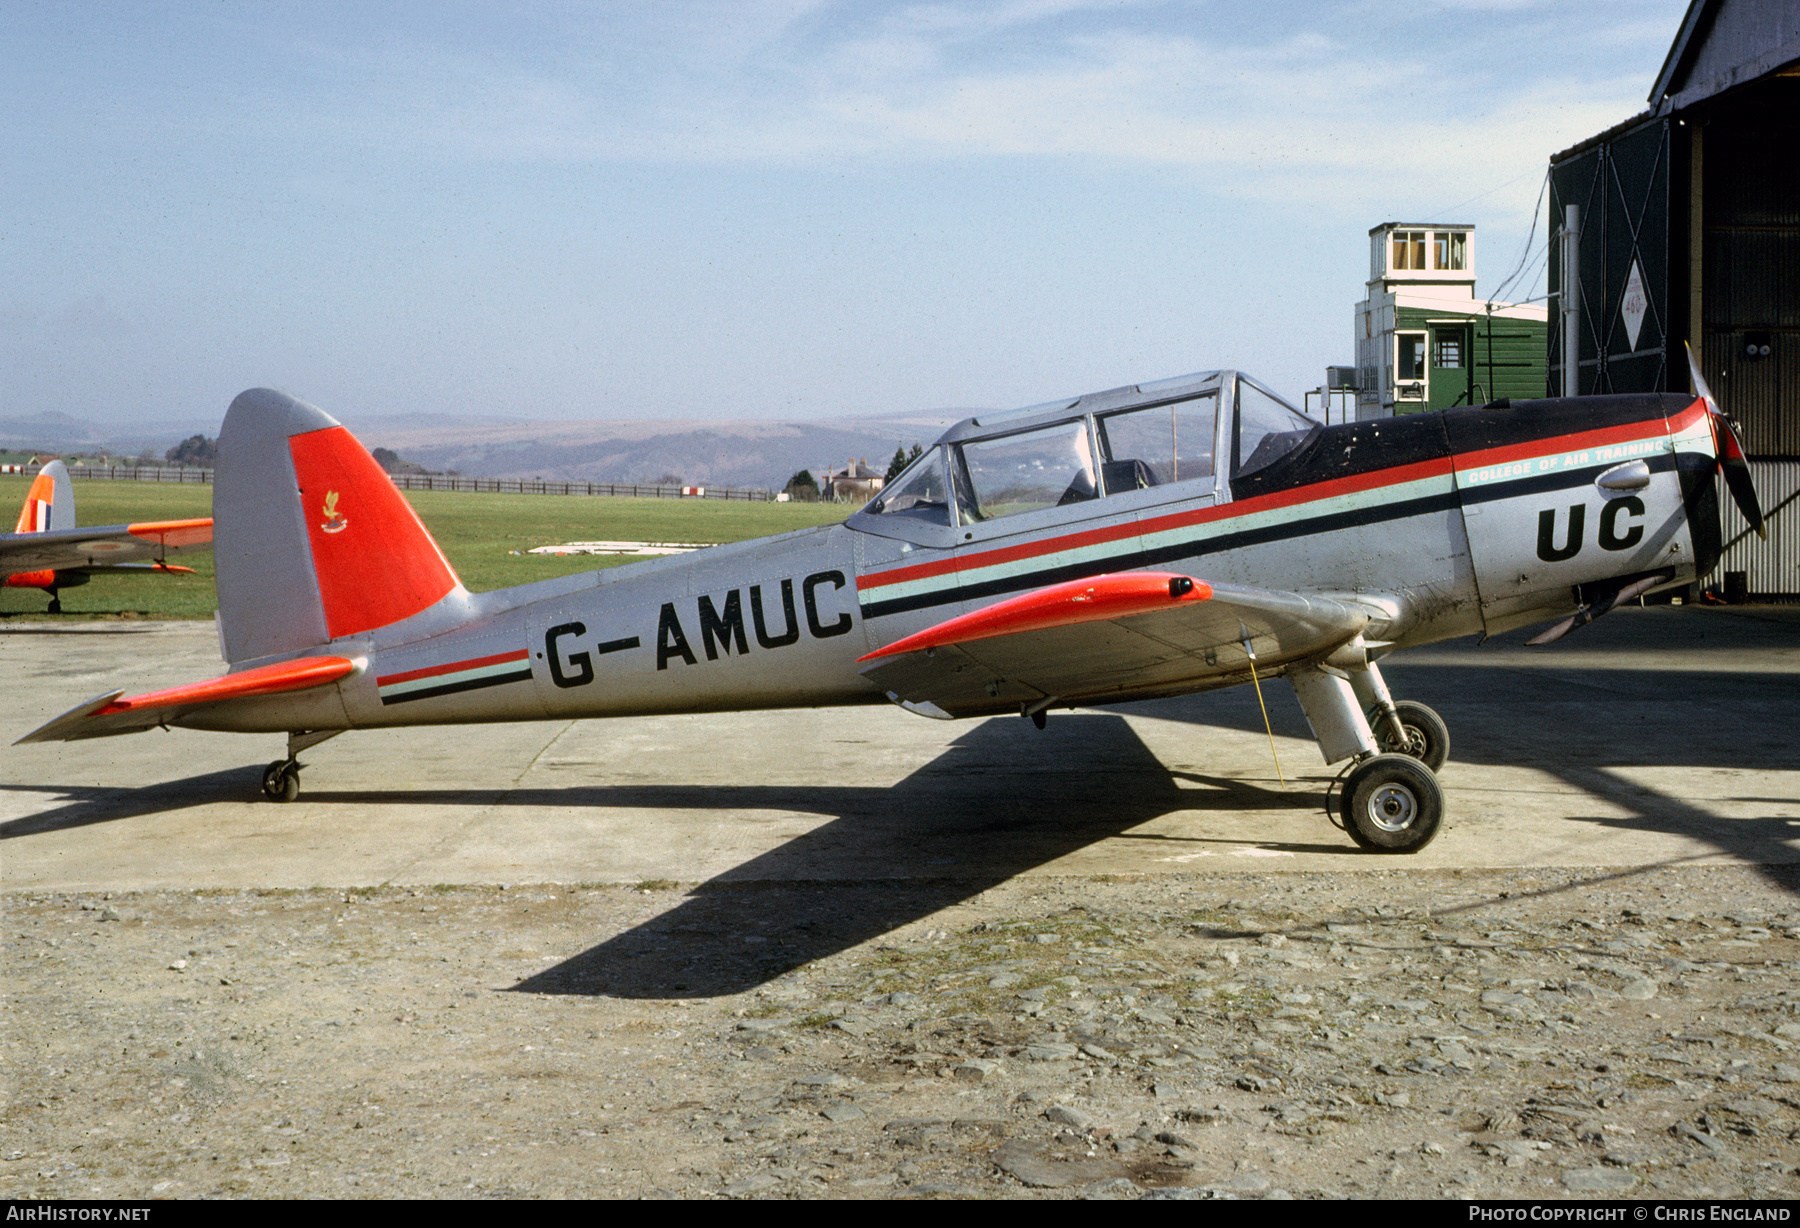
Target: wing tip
point(62, 728)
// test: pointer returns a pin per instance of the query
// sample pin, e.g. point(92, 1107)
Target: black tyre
point(1391, 804)
point(280, 782)
point(1427, 737)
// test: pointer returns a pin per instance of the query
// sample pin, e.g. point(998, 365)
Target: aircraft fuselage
point(1441, 525)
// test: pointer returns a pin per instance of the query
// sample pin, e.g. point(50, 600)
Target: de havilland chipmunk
point(47, 551)
point(1148, 541)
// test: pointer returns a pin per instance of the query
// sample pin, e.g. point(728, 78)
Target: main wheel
point(1427, 737)
point(281, 782)
point(1391, 804)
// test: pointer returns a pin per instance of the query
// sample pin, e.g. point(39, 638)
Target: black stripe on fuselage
point(451, 688)
point(1133, 560)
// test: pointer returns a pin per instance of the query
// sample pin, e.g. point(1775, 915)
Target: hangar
point(1683, 223)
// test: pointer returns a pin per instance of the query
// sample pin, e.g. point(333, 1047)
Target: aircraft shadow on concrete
point(1587, 726)
point(83, 805)
point(997, 803)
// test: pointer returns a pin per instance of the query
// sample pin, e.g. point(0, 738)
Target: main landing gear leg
point(281, 779)
point(1390, 802)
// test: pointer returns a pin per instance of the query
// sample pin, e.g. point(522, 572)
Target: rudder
point(50, 503)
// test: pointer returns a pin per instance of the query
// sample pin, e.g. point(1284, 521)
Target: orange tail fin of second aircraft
point(312, 541)
point(50, 503)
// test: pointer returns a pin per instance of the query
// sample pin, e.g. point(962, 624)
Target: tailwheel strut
point(281, 779)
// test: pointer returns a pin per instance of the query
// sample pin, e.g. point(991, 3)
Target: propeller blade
point(1700, 388)
point(1732, 462)
point(1594, 609)
point(1737, 477)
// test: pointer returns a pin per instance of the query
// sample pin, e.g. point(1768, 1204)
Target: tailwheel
point(281, 781)
point(1391, 804)
point(1427, 737)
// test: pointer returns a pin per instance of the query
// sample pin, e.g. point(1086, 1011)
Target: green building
point(1424, 341)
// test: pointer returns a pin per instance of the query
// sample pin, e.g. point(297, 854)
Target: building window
point(1411, 364)
point(1409, 249)
point(1450, 250)
point(1448, 349)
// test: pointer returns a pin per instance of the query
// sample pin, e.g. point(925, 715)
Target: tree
point(197, 450)
point(803, 488)
point(895, 465)
point(902, 458)
point(388, 459)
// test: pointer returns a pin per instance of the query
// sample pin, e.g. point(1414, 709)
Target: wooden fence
point(438, 481)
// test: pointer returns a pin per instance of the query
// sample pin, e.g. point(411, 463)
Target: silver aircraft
point(1147, 541)
point(48, 551)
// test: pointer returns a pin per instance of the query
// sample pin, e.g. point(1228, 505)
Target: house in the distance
point(854, 483)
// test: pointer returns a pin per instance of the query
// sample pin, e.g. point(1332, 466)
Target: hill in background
point(698, 451)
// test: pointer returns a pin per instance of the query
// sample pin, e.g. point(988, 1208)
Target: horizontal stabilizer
point(1109, 638)
point(115, 713)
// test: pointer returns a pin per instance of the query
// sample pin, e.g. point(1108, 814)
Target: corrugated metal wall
point(1751, 278)
point(1771, 568)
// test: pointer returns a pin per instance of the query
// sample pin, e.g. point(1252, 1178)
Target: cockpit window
point(1268, 428)
point(1027, 471)
point(1158, 445)
point(919, 493)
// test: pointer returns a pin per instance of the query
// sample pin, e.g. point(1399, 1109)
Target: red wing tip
point(190, 531)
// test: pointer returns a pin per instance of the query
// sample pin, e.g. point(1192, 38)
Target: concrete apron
point(1656, 736)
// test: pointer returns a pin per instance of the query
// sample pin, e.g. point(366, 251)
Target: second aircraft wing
point(110, 546)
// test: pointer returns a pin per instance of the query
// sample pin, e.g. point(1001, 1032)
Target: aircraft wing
point(114, 712)
point(1125, 636)
point(73, 549)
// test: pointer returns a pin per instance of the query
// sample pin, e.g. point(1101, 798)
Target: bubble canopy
point(1181, 438)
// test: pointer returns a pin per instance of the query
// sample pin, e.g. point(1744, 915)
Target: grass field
point(478, 533)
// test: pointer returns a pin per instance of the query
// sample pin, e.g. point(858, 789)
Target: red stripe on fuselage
point(1162, 524)
point(432, 671)
point(1335, 488)
point(1600, 438)
point(1688, 416)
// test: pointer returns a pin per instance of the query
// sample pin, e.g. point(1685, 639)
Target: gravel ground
point(1484, 1034)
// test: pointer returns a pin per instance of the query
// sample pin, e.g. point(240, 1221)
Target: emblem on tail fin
point(335, 521)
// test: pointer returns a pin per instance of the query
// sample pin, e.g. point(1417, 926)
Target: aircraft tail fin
point(312, 541)
point(50, 503)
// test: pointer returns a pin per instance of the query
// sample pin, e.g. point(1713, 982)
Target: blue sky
point(749, 209)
